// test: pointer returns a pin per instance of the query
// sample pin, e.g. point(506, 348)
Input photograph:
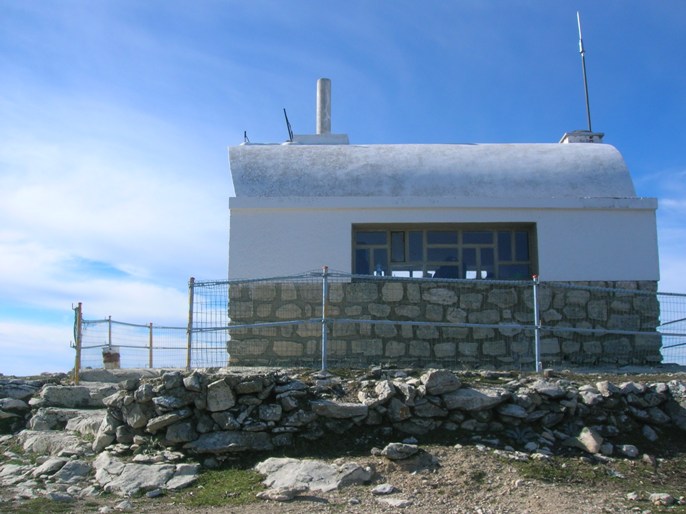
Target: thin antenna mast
point(583, 67)
point(288, 126)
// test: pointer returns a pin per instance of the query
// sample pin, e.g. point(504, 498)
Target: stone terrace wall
point(220, 414)
point(627, 306)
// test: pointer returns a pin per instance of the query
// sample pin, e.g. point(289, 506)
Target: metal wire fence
point(328, 318)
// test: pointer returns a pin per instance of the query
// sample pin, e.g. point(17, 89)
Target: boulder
point(313, 475)
point(475, 400)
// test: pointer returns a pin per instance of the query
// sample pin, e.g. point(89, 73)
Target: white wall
point(578, 239)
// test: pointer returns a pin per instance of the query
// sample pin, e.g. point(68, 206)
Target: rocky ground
point(57, 471)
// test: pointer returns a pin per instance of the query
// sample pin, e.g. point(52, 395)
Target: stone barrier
point(218, 414)
point(614, 306)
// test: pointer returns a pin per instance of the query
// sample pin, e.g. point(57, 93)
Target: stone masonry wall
point(617, 306)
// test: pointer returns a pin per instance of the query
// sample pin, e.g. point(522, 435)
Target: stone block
point(385, 330)
point(569, 347)
point(336, 292)
point(261, 291)
point(363, 292)
point(434, 312)
point(419, 349)
point(413, 293)
point(427, 332)
point(471, 301)
point(445, 350)
point(494, 348)
point(624, 322)
point(289, 311)
point(456, 315)
point(617, 347)
point(592, 347)
point(503, 298)
point(309, 330)
point(440, 295)
point(240, 310)
point(577, 297)
point(482, 333)
point(288, 349)
point(392, 292)
point(395, 349)
point(368, 347)
point(264, 310)
point(247, 348)
point(344, 329)
point(597, 310)
point(469, 349)
point(521, 347)
point(550, 346)
point(486, 317)
point(574, 311)
point(455, 332)
point(408, 311)
point(379, 310)
point(288, 292)
point(550, 315)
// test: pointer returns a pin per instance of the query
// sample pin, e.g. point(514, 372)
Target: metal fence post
point(325, 294)
point(189, 330)
point(537, 323)
point(78, 319)
point(150, 346)
point(109, 332)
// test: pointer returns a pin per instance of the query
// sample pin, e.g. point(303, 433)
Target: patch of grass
point(229, 486)
point(42, 505)
point(478, 476)
point(562, 471)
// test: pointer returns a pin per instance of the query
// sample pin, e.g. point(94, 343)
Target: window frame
point(453, 264)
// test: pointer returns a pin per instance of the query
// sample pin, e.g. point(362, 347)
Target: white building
point(565, 211)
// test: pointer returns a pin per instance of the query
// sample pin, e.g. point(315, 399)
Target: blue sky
point(115, 117)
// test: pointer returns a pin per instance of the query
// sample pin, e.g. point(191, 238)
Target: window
point(499, 251)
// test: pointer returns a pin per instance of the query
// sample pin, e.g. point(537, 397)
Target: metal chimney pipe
point(323, 106)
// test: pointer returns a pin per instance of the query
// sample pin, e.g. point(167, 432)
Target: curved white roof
point(459, 170)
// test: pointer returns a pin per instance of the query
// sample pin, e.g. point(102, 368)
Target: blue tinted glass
point(477, 238)
point(441, 237)
point(447, 271)
point(522, 246)
point(514, 272)
point(362, 262)
point(487, 257)
point(416, 246)
point(469, 257)
point(398, 246)
point(375, 237)
point(381, 259)
point(505, 246)
point(442, 254)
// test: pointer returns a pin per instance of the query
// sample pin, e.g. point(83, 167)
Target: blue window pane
point(381, 260)
point(398, 246)
point(514, 272)
point(469, 257)
point(369, 237)
point(441, 237)
point(487, 257)
point(447, 271)
point(416, 246)
point(362, 262)
point(442, 254)
point(505, 245)
point(522, 246)
point(477, 237)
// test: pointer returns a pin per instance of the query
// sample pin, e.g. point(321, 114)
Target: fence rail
point(323, 318)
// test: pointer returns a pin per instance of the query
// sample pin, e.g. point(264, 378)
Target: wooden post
point(189, 330)
point(150, 347)
point(77, 336)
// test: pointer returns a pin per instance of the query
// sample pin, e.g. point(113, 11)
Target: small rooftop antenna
point(288, 126)
point(583, 68)
point(245, 137)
